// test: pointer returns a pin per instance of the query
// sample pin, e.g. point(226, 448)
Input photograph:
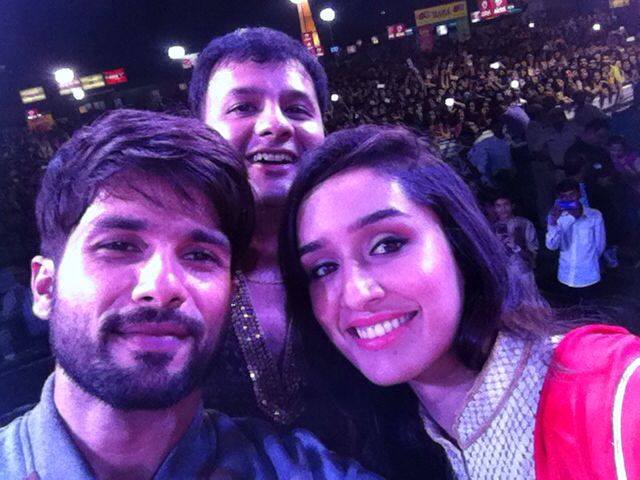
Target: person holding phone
point(579, 233)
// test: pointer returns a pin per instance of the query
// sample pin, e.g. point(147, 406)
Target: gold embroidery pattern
point(278, 396)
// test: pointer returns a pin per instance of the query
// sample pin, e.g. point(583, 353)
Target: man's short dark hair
point(567, 185)
point(182, 151)
point(260, 45)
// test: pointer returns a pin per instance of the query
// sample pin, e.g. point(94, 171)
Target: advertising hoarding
point(30, 95)
point(441, 13)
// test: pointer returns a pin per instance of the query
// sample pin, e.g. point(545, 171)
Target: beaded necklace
point(278, 396)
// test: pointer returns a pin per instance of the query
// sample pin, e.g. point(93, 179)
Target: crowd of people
point(155, 212)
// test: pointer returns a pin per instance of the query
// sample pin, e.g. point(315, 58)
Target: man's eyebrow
point(117, 222)
point(360, 223)
point(238, 91)
point(298, 95)
point(214, 237)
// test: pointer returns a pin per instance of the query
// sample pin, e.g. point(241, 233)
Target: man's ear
point(42, 285)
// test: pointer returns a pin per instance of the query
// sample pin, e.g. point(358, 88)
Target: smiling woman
point(386, 247)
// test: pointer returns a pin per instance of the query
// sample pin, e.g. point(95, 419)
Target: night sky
point(37, 36)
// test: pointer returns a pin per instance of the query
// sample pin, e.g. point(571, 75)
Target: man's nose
point(273, 122)
point(159, 283)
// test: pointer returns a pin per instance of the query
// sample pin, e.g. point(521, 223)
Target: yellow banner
point(31, 95)
point(618, 3)
point(441, 13)
point(92, 81)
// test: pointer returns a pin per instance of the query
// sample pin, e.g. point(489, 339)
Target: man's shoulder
point(290, 452)
point(13, 439)
point(593, 213)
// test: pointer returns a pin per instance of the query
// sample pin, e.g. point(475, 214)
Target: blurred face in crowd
point(503, 208)
point(270, 113)
point(384, 284)
point(617, 151)
point(139, 296)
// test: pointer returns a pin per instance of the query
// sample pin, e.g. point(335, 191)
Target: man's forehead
point(148, 196)
point(230, 67)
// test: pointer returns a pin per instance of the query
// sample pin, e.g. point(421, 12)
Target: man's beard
point(145, 386)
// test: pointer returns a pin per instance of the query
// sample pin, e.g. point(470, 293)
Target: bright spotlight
point(442, 30)
point(78, 93)
point(449, 102)
point(176, 52)
point(515, 84)
point(327, 14)
point(335, 97)
point(532, 25)
point(631, 39)
point(64, 76)
point(597, 27)
point(495, 66)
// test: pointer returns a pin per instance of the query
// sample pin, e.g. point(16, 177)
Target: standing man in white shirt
point(579, 233)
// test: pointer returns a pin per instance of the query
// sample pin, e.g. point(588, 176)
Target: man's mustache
point(118, 321)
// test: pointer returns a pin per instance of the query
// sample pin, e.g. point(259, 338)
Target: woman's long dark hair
point(493, 301)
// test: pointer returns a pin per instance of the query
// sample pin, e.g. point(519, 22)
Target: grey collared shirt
point(38, 446)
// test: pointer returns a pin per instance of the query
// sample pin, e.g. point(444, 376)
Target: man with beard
point(142, 217)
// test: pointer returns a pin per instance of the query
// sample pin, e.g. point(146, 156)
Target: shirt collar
point(56, 455)
point(490, 391)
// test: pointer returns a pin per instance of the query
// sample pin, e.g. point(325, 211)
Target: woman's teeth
point(382, 328)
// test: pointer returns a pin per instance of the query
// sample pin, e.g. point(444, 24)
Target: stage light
point(327, 14)
point(335, 97)
point(442, 30)
point(597, 27)
point(515, 84)
point(64, 76)
point(176, 52)
point(449, 102)
point(495, 66)
point(532, 25)
point(78, 93)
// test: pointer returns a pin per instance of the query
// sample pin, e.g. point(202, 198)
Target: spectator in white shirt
point(579, 233)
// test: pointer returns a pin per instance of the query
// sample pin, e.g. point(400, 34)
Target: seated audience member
point(142, 218)
point(579, 233)
point(385, 246)
point(518, 235)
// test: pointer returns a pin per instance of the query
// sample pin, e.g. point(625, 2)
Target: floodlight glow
point(495, 65)
point(515, 84)
point(64, 75)
point(176, 52)
point(335, 97)
point(78, 93)
point(327, 14)
point(449, 102)
point(532, 25)
point(597, 27)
